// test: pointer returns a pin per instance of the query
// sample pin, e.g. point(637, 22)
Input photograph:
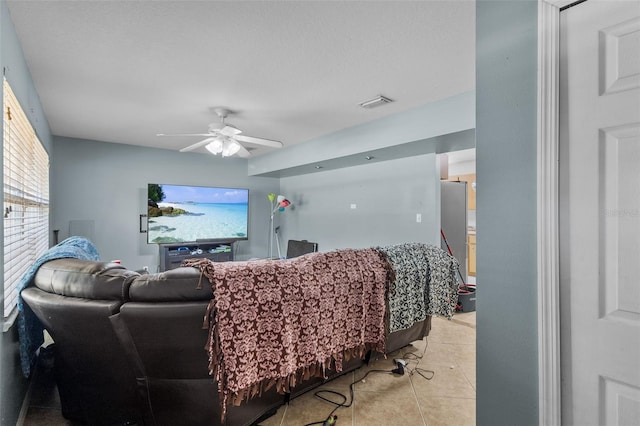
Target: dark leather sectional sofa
point(129, 348)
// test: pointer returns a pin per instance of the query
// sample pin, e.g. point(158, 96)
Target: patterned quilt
point(275, 323)
point(442, 291)
point(423, 283)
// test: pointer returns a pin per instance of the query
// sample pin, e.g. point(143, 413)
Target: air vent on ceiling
point(375, 102)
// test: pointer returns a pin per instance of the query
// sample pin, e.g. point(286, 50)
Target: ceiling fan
point(225, 139)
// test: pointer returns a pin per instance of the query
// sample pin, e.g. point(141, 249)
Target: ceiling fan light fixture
point(229, 148)
point(375, 102)
point(225, 139)
point(215, 147)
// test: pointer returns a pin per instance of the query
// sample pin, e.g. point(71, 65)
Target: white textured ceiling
point(122, 71)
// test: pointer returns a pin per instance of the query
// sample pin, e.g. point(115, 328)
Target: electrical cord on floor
point(401, 365)
point(332, 418)
point(410, 356)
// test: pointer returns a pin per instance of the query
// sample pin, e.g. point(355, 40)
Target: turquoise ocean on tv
point(202, 221)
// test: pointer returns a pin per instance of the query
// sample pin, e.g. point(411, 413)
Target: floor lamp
point(278, 203)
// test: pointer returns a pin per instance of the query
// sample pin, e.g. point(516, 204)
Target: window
point(26, 197)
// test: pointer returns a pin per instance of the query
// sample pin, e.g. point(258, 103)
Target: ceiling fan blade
point(229, 130)
point(259, 141)
point(185, 134)
point(243, 152)
point(197, 145)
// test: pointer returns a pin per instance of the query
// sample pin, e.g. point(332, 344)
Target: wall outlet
point(418, 217)
point(353, 206)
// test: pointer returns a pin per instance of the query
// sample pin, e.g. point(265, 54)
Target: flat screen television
point(189, 214)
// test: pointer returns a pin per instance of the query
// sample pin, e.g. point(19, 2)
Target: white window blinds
point(26, 196)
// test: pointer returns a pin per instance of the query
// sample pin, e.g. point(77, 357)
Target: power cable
point(401, 365)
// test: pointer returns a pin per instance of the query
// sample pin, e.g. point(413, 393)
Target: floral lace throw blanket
point(276, 323)
point(423, 283)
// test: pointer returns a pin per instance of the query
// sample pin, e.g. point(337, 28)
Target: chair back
point(297, 248)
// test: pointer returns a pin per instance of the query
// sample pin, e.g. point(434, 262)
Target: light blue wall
point(506, 93)
point(401, 181)
point(397, 131)
point(19, 77)
point(107, 183)
point(387, 196)
point(13, 385)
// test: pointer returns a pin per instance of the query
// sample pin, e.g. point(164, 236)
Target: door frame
point(548, 263)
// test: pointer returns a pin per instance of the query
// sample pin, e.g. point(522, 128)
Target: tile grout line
point(353, 400)
point(457, 362)
point(413, 388)
point(284, 415)
point(415, 396)
point(466, 324)
point(469, 381)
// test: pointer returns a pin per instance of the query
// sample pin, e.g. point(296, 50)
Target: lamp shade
point(215, 147)
point(229, 148)
point(223, 145)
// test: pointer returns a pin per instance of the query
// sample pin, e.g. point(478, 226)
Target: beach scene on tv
point(178, 213)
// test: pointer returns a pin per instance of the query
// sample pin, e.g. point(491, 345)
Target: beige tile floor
point(449, 398)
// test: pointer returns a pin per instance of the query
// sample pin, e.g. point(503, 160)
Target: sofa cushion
point(175, 285)
point(85, 278)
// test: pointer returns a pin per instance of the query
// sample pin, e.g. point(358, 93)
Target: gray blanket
point(423, 284)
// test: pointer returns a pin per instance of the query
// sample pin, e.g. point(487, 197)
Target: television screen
point(183, 214)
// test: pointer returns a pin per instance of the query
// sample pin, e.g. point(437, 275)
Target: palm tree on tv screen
point(155, 193)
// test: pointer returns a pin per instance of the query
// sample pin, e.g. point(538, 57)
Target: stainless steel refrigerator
point(453, 220)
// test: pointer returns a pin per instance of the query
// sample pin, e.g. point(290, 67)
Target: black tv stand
point(172, 255)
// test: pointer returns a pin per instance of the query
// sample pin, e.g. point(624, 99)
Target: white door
point(600, 212)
